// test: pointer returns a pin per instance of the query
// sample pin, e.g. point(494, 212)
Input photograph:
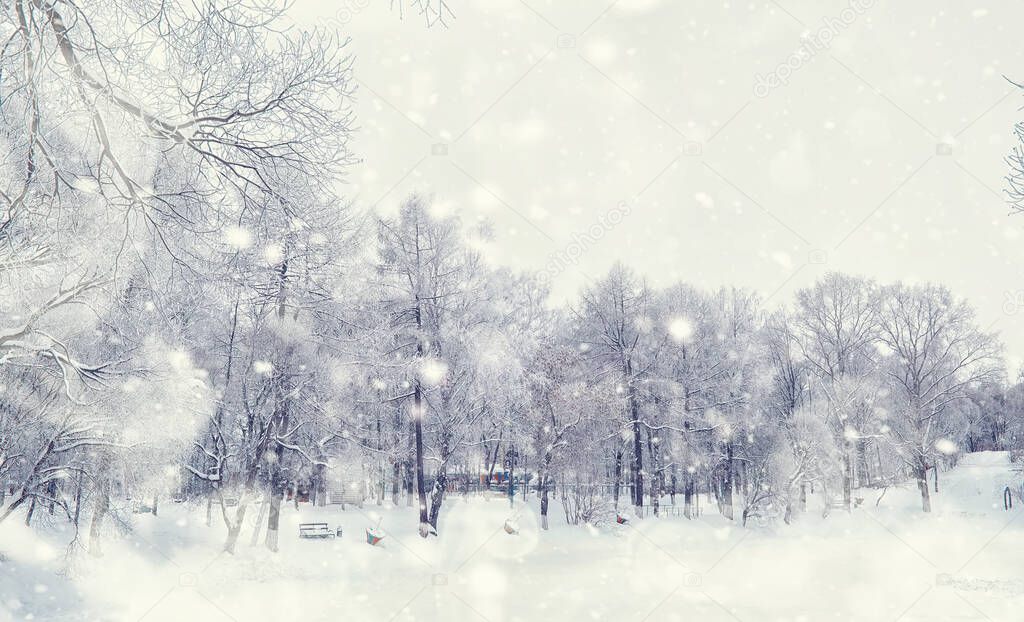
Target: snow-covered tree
point(837, 326)
point(933, 353)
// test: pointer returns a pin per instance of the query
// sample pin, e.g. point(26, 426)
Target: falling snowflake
point(681, 329)
point(273, 253)
point(946, 446)
point(237, 237)
point(433, 371)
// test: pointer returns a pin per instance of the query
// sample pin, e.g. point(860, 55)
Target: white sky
point(554, 111)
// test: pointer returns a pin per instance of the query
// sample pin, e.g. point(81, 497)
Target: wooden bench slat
point(316, 530)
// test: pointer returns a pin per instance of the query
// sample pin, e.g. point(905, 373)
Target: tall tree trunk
point(544, 504)
point(381, 479)
point(510, 483)
point(725, 496)
point(274, 513)
point(396, 481)
point(689, 484)
point(863, 464)
point(618, 477)
point(656, 480)
point(278, 482)
point(543, 477)
point(214, 486)
point(51, 491)
point(100, 509)
point(258, 527)
point(638, 467)
point(441, 481)
point(235, 528)
point(407, 481)
point(922, 485)
point(674, 482)
point(320, 484)
point(437, 493)
point(638, 450)
point(847, 477)
point(279, 424)
point(421, 489)
point(78, 498)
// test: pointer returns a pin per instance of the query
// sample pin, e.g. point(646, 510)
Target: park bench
point(318, 530)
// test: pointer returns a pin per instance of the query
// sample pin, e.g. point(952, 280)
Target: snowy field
point(888, 562)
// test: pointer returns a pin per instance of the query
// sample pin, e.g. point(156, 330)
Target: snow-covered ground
point(962, 562)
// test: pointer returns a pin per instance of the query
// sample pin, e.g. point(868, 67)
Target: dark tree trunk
point(922, 485)
point(638, 468)
point(78, 498)
point(618, 478)
point(320, 484)
point(396, 481)
point(847, 478)
point(421, 490)
point(689, 485)
point(672, 490)
point(510, 487)
point(274, 514)
point(863, 466)
point(725, 495)
point(407, 481)
point(279, 425)
point(437, 495)
point(277, 479)
point(100, 509)
point(656, 480)
point(638, 449)
point(543, 479)
point(544, 505)
point(51, 491)
point(381, 486)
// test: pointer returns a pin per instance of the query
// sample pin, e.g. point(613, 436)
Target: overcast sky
point(878, 150)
